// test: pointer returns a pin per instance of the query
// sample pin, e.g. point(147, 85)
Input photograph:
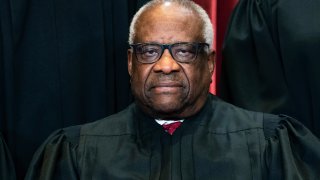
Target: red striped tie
point(170, 128)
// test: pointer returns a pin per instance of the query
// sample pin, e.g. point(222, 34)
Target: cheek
point(199, 77)
point(139, 76)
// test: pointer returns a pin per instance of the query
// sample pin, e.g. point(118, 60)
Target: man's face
point(169, 89)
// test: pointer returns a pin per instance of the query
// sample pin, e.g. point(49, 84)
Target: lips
point(165, 87)
point(167, 84)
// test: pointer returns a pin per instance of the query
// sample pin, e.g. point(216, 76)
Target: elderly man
point(175, 129)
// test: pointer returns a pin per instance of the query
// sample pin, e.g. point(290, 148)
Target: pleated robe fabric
point(271, 59)
point(62, 63)
point(221, 142)
point(7, 170)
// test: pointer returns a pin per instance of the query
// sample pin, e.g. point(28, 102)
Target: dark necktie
point(170, 128)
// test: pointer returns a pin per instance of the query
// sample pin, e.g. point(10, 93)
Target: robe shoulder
point(120, 123)
point(58, 156)
point(289, 149)
point(292, 151)
point(225, 117)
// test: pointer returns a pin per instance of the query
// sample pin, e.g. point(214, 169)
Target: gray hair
point(207, 32)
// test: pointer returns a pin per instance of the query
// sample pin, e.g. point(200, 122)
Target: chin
point(167, 110)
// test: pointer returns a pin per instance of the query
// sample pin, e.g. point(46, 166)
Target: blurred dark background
point(62, 63)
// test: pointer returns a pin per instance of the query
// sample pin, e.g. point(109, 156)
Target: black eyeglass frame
point(197, 45)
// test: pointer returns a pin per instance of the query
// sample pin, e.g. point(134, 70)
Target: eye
point(149, 52)
point(184, 51)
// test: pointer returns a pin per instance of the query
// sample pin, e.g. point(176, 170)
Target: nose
point(166, 63)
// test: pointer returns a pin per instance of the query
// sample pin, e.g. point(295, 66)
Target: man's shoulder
point(115, 124)
point(234, 118)
point(227, 117)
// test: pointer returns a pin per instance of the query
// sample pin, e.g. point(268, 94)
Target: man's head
point(173, 84)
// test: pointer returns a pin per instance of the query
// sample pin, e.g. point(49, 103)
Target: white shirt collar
point(162, 122)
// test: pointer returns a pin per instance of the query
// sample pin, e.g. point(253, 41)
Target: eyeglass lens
point(181, 52)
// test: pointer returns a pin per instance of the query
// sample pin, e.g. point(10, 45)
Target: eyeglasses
point(183, 52)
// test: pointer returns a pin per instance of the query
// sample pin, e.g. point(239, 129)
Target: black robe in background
point(271, 59)
point(7, 171)
point(62, 63)
point(221, 142)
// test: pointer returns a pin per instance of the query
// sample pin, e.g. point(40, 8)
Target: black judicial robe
point(271, 59)
point(221, 142)
point(7, 170)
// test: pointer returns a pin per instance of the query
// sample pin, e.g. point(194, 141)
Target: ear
point(129, 54)
point(211, 61)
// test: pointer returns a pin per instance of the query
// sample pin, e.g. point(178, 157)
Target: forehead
point(168, 24)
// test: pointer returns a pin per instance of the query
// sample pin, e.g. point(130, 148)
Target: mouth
point(166, 87)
